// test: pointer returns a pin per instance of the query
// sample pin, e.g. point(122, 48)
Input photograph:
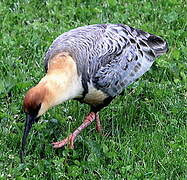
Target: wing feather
point(134, 53)
point(111, 56)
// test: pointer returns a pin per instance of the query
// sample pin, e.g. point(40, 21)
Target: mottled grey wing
point(112, 56)
point(134, 53)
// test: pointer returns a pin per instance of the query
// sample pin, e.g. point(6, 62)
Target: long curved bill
point(28, 124)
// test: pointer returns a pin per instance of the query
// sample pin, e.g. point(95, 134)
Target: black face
point(30, 119)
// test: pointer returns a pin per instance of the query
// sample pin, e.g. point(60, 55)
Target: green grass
point(146, 128)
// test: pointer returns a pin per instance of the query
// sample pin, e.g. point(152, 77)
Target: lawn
point(146, 130)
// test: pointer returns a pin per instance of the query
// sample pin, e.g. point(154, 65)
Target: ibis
point(92, 64)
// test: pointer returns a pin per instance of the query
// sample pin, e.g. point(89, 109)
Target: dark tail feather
point(157, 44)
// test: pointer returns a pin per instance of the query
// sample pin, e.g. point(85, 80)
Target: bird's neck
point(61, 81)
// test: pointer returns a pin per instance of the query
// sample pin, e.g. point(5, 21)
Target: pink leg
point(98, 123)
point(70, 139)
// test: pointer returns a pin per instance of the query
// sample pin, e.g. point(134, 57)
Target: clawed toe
point(69, 140)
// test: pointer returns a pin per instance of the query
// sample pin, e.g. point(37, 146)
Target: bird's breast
point(94, 96)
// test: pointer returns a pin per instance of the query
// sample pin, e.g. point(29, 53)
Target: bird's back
point(109, 56)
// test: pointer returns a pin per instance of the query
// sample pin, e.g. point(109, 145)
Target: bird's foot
point(71, 138)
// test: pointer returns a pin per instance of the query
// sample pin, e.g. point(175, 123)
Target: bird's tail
point(157, 44)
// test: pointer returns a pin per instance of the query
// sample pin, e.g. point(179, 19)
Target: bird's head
point(36, 101)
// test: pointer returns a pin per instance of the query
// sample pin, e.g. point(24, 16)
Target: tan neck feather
point(61, 80)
